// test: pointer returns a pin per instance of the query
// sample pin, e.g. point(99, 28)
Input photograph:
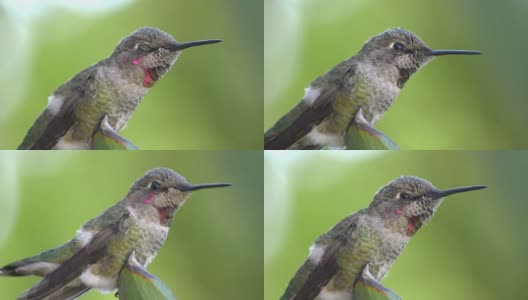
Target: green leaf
point(105, 142)
point(135, 283)
point(368, 288)
point(105, 138)
point(362, 136)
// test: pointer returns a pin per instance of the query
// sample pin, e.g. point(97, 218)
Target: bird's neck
point(133, 66)
point(393, 219)
point(404, 75)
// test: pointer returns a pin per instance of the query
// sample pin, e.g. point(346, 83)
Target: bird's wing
point(299, 121)
point(312, 277)
point(73, 267)
point(51, 125)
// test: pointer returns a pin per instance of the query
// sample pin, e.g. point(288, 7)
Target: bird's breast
point(152, 236)
point(118, 118)
point(128, 97)
point(379, 88)
point(389, 244)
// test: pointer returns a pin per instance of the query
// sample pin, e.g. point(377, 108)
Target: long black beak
point(448, 192)
point(185, 45)
point(204, 186)
point(452, 52)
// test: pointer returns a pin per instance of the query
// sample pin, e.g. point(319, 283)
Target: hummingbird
point(94, 257)
point(110, 89)
point(371, 238)
point(370, 80)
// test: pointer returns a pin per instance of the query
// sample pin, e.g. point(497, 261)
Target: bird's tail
point(69, 292)
point(27, 266)
point(42, 263)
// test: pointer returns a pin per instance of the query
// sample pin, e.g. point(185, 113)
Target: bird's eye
point(405, 196)
point(144, 47)
point(398, 46)
point(154, 185)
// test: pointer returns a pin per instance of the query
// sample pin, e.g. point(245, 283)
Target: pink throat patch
point(149, 199)
point(162, 216)
point(410, 228)
point(137, 61)
point(149, 78)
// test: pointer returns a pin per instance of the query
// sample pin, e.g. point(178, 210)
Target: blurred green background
point(215, 245)
point(474, 247)
point(468, 103)
point(211, 99)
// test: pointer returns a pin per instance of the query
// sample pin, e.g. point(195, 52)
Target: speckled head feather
point(413, 198)
point(149, 48)
point(161, 191)
point(163, 188)
point(400, 48)
point(402, 190)
point(149, 38)
point(412, 185)
point(407, 197)
point(162, 177)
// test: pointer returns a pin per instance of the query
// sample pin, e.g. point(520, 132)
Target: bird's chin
point(159, 71)
point(166, 213)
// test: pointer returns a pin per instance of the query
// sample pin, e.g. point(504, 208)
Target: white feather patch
point(156, 227)
point(333, 295)
point(38, 268)
point(150, 225)
point(316, 253)
point(132, 212)
point(310, 95)
point(84, 237)
point(376, 118)
point(101, 283)
point(70, 145)
point(54, 104)
point(148, 260)
point(331, 140)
